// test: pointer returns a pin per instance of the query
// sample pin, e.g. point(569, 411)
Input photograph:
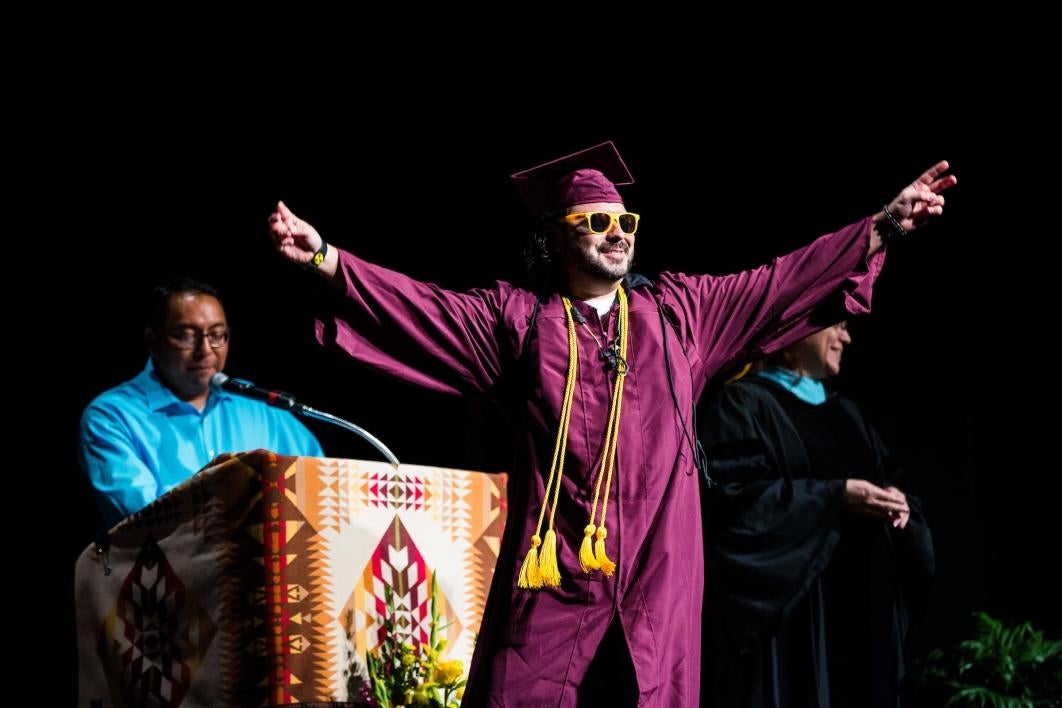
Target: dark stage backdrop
point(955, 334)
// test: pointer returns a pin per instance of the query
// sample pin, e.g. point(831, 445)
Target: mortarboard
point(590, 175)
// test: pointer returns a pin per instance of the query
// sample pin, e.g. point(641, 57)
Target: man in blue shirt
point(144, 437)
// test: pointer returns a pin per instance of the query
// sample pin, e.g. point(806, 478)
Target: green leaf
point(1000, 665)
point(434, 637)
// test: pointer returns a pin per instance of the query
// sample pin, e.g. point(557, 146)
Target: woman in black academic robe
point(815, 559)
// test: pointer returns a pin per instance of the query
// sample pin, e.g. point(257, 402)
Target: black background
point(140, 183)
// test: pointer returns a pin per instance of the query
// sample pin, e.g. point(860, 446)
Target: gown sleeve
point(769, 532)
point(417, 332)
point(758, 311)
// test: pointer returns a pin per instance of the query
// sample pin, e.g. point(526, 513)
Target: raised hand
point(294, 238)
point(922, 198)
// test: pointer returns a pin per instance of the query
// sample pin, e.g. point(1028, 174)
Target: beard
point(596, 263)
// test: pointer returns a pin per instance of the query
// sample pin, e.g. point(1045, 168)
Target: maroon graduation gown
point(534, 647)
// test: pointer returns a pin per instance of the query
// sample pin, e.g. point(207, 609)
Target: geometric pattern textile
point(260, 580)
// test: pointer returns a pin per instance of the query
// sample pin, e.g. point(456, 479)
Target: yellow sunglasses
point(600, 222)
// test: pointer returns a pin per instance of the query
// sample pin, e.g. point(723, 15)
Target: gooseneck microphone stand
point(305, 410)
point(279, 399)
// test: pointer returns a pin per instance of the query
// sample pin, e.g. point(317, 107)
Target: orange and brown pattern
point(259, 581)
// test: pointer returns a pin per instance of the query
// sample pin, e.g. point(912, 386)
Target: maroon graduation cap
point(590, 175)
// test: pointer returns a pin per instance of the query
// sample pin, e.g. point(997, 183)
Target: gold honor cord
point(598, 560)
point(540, 568)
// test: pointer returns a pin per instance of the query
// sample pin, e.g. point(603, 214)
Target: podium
point(260, 580)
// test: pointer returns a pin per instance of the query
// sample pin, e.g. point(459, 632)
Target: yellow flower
point(447, 673)
point(431, 653)
point(408, 660)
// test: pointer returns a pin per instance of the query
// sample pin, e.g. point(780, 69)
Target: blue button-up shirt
point(138, 440)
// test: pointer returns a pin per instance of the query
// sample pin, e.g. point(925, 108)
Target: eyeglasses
point(600, 222)
point(189, 337)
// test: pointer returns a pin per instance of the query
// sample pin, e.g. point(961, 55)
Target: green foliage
point(1001, 667)
point(404, 675)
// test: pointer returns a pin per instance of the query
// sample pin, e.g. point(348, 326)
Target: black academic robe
point(805, 604)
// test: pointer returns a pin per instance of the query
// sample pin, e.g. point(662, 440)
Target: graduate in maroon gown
point(599, 377)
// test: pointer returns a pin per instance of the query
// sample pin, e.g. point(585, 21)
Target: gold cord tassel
point(586, 552)
point(608, 458)
point(540, 567)
point(530, 577)
point(607, 566)
point(547, 561)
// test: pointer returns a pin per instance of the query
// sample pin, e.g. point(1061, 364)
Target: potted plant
point(1000, 666)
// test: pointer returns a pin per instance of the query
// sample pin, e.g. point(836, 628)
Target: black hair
point(159, 300)
point(542, 268)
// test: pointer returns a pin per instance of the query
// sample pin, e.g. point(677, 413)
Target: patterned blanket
point(260, 581)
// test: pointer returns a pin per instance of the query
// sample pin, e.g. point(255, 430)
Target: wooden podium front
point(260, 580)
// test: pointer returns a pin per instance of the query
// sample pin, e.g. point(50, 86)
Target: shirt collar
point(159, 397)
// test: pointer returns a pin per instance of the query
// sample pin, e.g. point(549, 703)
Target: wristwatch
point(318, 258)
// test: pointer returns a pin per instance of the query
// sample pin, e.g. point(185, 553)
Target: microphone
point(222, 382)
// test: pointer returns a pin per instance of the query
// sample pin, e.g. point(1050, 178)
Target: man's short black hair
point(159, 300)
